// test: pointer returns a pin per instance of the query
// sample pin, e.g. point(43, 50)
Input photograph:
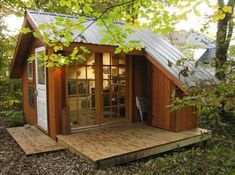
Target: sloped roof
point(153, 44)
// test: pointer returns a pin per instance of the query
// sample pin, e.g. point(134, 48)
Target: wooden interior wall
point(30, 113)
point(139, 83)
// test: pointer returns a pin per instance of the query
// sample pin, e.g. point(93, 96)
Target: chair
point(142, 106)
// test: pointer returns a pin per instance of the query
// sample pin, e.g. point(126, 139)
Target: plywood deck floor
point(33, 141)
point(119, 144)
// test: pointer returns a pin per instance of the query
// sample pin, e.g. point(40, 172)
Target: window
point(30, 71)
point(41, 69)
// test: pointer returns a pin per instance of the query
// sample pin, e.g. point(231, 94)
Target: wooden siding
point(162, 88)
point(139, 82)
point(183, 119)
point(55, 97)
point(30, 113)
point(161, 91)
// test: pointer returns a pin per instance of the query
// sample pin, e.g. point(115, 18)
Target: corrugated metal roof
point(153, 44)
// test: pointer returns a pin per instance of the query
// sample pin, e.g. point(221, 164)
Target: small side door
point(41, 90)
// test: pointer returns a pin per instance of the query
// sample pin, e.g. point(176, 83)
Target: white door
point(41, 91)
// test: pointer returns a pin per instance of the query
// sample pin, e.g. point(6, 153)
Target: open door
point(41, 92)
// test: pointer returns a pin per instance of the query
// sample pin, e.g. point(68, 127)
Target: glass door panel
point(81, 93)
point(114, 89)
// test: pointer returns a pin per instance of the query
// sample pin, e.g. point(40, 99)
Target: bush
point(14, 118)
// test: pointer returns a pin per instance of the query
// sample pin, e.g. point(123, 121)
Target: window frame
point(30, 77)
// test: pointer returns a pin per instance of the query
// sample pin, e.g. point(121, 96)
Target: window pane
point(90, 72)
point(122, 72)
point(107, 113)
point(106, 99)
point(81, 72)
point(122, 112)
point(114, 99)
point(115, 60)
point(72, 90)
point(122, 59)
point(106, 58)
point(41, 73)
point(91, 59)
point(114, 71)
point(106, 85)
point(91, 101)
point(82, 103)
point(106, 72)
point(114, 112)
point(91, 87)
point(30, 70)
point(72, 72)
point(82, 87)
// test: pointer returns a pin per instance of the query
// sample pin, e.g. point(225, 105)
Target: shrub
point(14, 118)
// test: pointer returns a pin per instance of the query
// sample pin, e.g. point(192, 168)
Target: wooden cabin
point(102, 90)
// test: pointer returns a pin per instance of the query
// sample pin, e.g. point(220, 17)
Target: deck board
point(34, 141)
point(112, 144)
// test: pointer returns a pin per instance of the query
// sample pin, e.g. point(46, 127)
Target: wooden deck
point(33, 141)
point(119, 144)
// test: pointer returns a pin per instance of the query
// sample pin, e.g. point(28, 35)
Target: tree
point(160, 17)
point(225, 15)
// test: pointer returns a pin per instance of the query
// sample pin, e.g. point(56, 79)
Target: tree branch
point(102, 14)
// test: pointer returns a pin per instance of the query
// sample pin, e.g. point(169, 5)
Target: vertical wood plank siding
point(30, 113)
point(54, 90)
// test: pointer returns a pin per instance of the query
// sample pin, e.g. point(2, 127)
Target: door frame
point(41, 49)
point(99, 96)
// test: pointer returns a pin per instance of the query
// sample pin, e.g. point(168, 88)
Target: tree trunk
point(223, 38)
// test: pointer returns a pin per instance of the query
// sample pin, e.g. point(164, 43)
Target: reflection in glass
point(114, 71)
point(72, 90)
point(41, 69)
point(122, 59)
point(106, 85)
point(91, 59)
point(81, 72)
point(90, 72)
point(106, 72)
point(114, 89)
point(30, 70)
point(82, 87)
point(91, 101)
point(91, 87)
point(72, 74)
point(81, 93)
point(106, 58)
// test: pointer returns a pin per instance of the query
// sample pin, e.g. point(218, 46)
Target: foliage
point(217, 156)
point(129, 16)
point(10, 88)
point(14, 118)
point(10, 95)
point(212, 100)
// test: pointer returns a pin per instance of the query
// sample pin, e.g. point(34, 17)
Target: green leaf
point(25, 30)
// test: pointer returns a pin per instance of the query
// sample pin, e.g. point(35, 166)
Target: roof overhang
point(22, 47)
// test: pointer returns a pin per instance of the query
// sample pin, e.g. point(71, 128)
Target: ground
point(200, 159)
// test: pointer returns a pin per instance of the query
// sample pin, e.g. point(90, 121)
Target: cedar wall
point(30, 112)
point(150, 82)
